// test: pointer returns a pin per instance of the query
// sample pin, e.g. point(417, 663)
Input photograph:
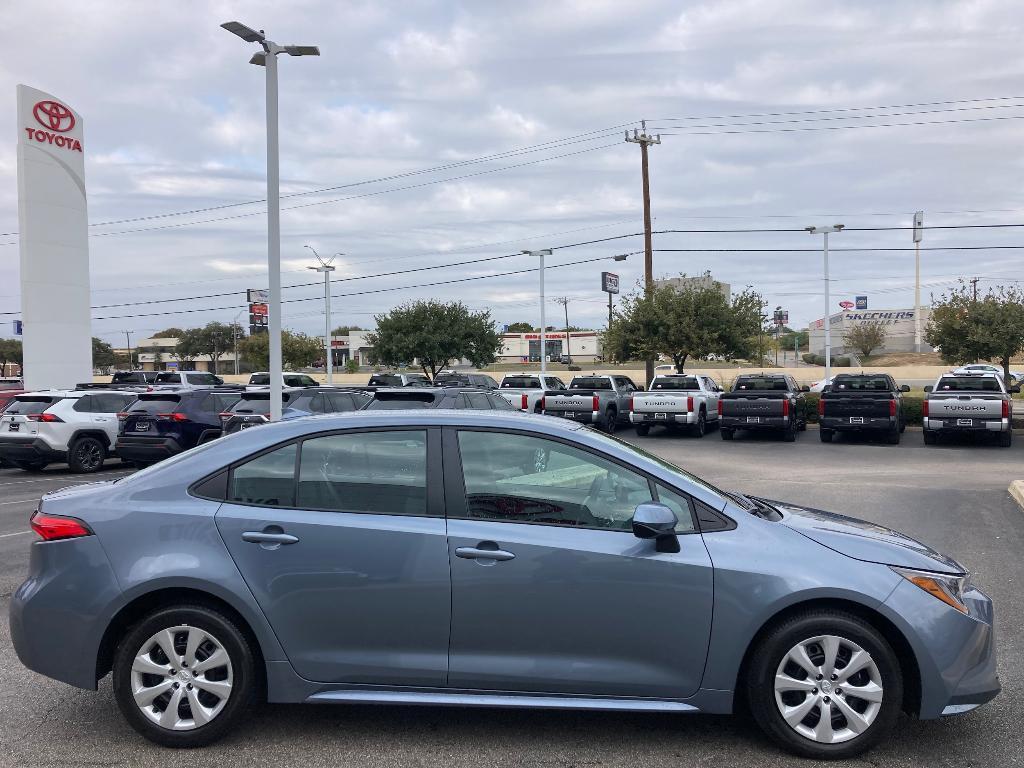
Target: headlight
point(947, 588)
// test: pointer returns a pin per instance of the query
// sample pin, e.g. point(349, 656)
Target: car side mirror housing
point(928, 388)
point(904, 388)
point(1015, 389)
point(656, 521)
point(826, 388)
point(219, 380)
point(805, 388)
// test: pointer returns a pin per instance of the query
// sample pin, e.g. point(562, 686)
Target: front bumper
point(666, 418)
point(850, 423)
point(961, 425)
point(955, 652)
point(56, 614)
point(146, 448)
point(29, 448)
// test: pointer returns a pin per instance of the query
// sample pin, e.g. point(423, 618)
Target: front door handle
point(271, 537)
point(475, 553)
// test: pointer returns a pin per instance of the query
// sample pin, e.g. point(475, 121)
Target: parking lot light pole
point(543, 335)
point(268, 59)
point(828, 298)
point(326, 268)
point(234, 336)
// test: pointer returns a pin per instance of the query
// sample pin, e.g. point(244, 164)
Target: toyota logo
point(54, 115)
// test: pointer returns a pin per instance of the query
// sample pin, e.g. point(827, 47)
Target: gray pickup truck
point(968, 402)
point(763, 401)
point(593, 399)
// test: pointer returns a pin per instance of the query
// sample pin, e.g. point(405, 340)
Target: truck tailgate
point(735, 404)
point(660, 403)
point(869, 406)
point(965, 407)
point(583, 401)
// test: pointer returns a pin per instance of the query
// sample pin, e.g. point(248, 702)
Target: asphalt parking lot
point(953, 497)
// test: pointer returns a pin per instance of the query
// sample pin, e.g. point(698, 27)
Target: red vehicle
point(8, 389)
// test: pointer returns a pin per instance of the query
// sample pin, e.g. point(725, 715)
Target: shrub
point(809, 358)
point(352, 366)
point(573, 368)
point(841, 362)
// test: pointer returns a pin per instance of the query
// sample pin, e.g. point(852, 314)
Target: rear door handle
point(473, 553)
point(269, 537)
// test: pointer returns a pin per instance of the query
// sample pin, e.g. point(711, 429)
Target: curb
point(1016, 490)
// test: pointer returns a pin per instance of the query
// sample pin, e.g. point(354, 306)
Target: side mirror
point(928, 388)
point(904, 388)
point(656, 521)
point(1014, 389)
point(219, 380)
point(826, 388)
point(805, 388)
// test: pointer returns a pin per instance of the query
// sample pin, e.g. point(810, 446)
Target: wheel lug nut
point(826, 699)
point(174, 672)
point(835, 677)
point(814, 690)
point(175, 685)
point(820, 677)
point(189, 686)
point(839, 691)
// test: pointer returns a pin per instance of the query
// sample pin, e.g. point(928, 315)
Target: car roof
point(73, 393)
point(429, 390)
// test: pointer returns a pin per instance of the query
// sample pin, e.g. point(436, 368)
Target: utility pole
point(128, 335)
point(974, 288)
point(918, 233)
point(564, 301)
point(644, 140)
point(543, 332)
point(234, 336)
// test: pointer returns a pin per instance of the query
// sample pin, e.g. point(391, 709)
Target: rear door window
point(168, 378)
point(86, 404)
point(201, 379)
point(268, 480)
point(111, 403)
point(521, 382)
point(259, 380)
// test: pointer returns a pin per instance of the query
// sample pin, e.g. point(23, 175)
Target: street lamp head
point(302, 50)
point(541, 252)
point(825, 230)
point(259, 59)
point(620, 256)
point(248, 34)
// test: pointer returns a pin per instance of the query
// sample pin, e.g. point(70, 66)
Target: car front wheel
point(825, 685)
point(184, 676)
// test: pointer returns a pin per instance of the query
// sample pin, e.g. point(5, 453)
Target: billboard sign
point(53, 241)
point(257, 295)
point(846, 304)
point(609, 282)
point(862, 302)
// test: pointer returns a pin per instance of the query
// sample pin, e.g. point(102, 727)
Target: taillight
point(924, 407)
point(597, 405)
point(1006, 409)
point(785, 407)
point(689, 403)
point(172, 416)
point(719, 407)
point(48, 418)
point(52, 528)
point(525, 402)
point(225, 416)
point(631, 403)
point(821, 407)
point(543, 400)
point(892, 408)
point(122, 416)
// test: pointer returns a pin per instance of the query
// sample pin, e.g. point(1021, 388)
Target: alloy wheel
point(89, 455)
point(181, 678)
point(828, 689)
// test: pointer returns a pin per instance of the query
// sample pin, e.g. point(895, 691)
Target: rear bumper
point(976, 425)
point(669, 418)
point(29, 449)
point(146, 448)
point(869, 423)
point(70, 586)
point(955, 652)
point(586, 417)
point(763, 422)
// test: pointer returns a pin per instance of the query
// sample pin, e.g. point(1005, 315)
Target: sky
point(431, 134)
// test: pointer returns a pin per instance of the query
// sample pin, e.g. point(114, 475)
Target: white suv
point(74, 426)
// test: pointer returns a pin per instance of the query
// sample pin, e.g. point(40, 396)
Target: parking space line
point(56, 478)
point(18, 533)
point(24, 501)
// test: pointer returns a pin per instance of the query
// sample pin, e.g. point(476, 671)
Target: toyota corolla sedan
point(402, 557)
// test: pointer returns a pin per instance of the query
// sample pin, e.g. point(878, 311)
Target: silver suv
point(74, 426)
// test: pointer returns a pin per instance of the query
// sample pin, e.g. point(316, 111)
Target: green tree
point(434, 333)
point(10, 352)
point(866, 337)
point(169, 333)
point(520, 327)
point(344, 330)
point(683, 324)
point(102, 354)
point(966, 329)
point(215, 339)
point(191, 345)
point(297, 350)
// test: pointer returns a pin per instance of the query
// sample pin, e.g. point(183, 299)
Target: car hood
point(866, 541)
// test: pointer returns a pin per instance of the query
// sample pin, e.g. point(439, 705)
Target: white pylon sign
point(53, 237)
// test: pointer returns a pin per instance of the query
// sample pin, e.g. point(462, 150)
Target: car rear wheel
point(642, 430)
point(825, 685)
point(726, 433)
point(1006, 438)
point(825, 435)
point(30, 466)
point(609, 421)
point(929, 438)
point(789, 434)
point(86, 455)
point(698, 429)
point(184, 676)
point(893, 437)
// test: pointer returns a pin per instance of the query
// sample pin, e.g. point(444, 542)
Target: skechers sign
point(56, 120)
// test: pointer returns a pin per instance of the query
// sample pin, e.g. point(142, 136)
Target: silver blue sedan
point(487, 559)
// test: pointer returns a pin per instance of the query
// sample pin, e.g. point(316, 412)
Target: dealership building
point(581, 346)
point(899, 328)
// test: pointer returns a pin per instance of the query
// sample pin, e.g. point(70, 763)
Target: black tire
point(802, 426)
point(86, 455)
point(929, 437)
point(726, 433)
point(893, 436)
point(825, 435)
point(243, 674)
point(768, 655)
point(609, 421)
point(140, 464)
point(642, 430)
point(1006, 438)
point(789, 433)
point(903, 426)
point(698, 429)
point(30, 466)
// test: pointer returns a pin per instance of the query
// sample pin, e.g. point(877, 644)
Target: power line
point(847, 127)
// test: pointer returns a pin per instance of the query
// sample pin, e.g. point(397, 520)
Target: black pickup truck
point(763, 401)
point(862, 402)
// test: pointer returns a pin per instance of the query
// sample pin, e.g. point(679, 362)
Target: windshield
point(385, 380)
point(451, 378)
point(759, 383)
point(681, 382)
point(968, 384)
point(126, 377)
point(592, 382)
point(162, 404)
point(520, 382)
point(861, 384)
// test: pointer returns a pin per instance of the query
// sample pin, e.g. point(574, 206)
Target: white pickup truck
point(526, 390)
point(676, 400)
point(968, 402)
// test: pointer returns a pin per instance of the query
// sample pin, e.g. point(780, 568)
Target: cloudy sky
point(435, 133)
